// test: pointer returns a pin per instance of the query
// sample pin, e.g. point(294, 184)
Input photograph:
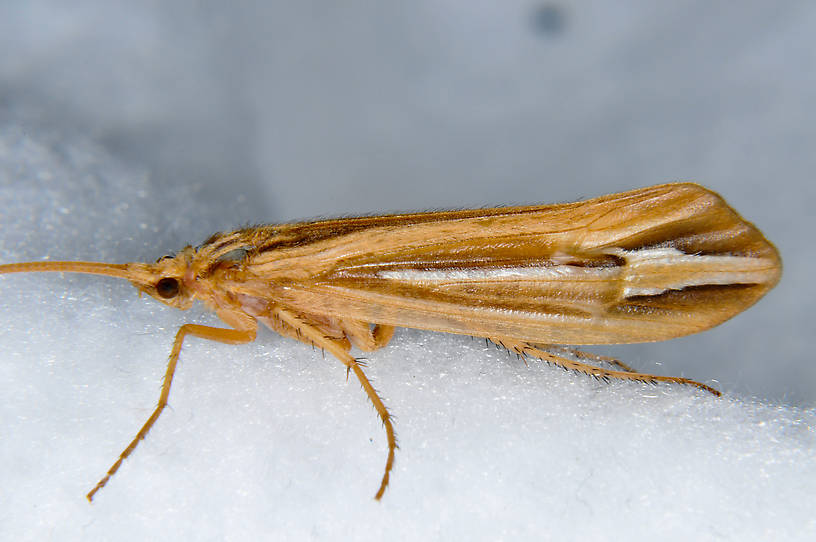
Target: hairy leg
point(308, 332)
point(244, 332)
point(525, 349)
point(580, 354)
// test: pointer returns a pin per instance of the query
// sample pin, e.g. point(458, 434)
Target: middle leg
point(304, 330)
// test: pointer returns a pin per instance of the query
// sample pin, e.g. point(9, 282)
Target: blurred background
point(271, 111)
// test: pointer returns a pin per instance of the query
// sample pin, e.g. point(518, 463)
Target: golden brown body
point(551, 273)
point(646, 265)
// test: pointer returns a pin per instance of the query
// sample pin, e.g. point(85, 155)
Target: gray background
point(312, 109)
point(130, 130)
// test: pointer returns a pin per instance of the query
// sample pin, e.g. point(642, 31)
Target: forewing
point(645, 265)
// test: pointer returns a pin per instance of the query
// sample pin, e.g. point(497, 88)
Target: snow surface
point(127, 132)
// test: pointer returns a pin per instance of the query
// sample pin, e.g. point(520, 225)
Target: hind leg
point(526, 349)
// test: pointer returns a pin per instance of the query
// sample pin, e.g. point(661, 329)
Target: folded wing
point(645, 265)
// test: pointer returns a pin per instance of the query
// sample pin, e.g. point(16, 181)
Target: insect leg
point(274, 322)
point(364, 337)
point(526, 349)
point(580, 354)
point(310, 333)
point(244, 334)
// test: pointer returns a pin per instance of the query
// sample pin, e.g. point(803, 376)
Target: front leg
point(244, 332)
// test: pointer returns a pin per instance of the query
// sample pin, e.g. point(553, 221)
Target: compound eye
point(167, 287)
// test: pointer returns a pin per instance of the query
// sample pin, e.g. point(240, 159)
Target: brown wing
point(645, 265)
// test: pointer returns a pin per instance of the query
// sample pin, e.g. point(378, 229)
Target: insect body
point(646, 265)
